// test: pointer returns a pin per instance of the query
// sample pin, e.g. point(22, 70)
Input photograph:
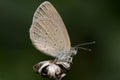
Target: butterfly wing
point(48, 32)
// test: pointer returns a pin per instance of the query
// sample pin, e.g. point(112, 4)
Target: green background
point(86, 21)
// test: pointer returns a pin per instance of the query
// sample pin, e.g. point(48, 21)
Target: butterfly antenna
point(87, 49)
point(83, 44)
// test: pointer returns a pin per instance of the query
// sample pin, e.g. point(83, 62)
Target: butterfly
point(49, 35)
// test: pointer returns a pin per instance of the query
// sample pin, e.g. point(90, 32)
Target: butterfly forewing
point(48, 32)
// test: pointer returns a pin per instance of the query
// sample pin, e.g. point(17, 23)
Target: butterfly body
point(49, 35)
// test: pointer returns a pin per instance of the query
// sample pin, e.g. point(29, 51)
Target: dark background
point(86, 21)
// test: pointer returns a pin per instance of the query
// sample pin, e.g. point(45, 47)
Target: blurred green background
point(86, 21)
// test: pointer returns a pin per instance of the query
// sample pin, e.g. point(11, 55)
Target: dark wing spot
point(54, 34)
point(46, 34)
point(60, 41)
point(54, 44)
point(56, 30)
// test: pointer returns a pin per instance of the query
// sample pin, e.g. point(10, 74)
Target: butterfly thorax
point(67, 55)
